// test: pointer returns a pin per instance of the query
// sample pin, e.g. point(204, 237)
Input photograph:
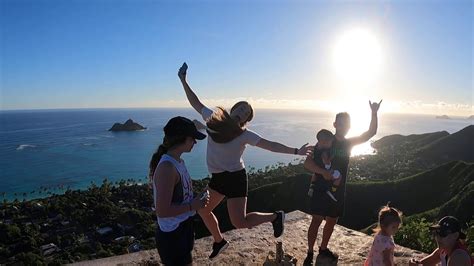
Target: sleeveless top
point(443, 255)
point(182, 194)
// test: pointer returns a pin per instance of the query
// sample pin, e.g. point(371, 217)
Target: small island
point(129, 125)
point(442, 117)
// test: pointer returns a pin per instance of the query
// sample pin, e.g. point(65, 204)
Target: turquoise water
point(54, 148)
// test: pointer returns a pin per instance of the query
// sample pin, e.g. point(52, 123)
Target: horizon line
point(180, 107)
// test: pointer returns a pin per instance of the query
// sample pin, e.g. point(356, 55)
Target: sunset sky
point(328, 55)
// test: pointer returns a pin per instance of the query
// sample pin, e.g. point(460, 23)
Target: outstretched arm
point(431, 259)
point(192, 97)
point(281, 148)
point(372, 128)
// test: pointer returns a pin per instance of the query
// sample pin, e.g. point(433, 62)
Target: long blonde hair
point(222, 128)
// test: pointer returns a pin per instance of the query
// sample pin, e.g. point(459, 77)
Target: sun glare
point(357, 56)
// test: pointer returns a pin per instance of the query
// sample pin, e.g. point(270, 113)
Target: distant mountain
point(129, 125)
point(413, 141)
point(437, 147)
point(471, 117)
point(442, 117)
point(457, 146)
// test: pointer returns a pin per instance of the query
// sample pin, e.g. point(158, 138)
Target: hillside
point(251, 247)
point(400, 156)
point(432, 147)
point(457, 146)
point(447, 189)
point(414, 140)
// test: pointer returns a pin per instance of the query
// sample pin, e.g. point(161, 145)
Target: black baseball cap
point(448, 225)
point(181, 126)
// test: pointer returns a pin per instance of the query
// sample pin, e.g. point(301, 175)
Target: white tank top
point(168, 224)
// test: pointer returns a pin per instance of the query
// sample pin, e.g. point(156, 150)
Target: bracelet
point(296, 151)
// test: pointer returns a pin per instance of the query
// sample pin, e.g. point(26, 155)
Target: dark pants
point(175, 247)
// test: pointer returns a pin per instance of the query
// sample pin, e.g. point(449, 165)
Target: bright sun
point(357, 56)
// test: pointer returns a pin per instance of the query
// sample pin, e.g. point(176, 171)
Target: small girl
point(381, 252)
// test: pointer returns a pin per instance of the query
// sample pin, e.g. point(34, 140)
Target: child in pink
point(381, 252)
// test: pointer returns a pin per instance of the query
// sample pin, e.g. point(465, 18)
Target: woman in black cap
point(173, 192)
point(451, 250)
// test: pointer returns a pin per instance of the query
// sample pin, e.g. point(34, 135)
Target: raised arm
point(281, 148)
point(372, 128)
point(192, 97)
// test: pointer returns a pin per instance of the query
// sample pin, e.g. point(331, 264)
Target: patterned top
point(380, 244)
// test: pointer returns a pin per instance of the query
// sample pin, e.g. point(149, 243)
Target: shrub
point(415, 234)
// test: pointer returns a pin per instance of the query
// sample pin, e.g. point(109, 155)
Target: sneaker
point(218, 248)
point(308, 261)
point(328, 254)
point(331, 195)
point(279, 224)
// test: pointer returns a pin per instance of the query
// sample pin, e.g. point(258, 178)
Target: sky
point(275, 54)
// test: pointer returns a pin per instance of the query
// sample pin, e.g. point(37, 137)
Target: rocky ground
point(255, 246)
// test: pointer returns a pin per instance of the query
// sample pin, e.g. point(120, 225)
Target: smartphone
point(205, 194)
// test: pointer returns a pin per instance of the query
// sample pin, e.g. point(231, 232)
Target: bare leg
point(239, 217)
point(313, 231)
point(327, 231)
point(209, 218)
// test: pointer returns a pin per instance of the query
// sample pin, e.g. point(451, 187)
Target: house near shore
point(49, 249)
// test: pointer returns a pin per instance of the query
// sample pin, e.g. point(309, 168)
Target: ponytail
point(168, 142)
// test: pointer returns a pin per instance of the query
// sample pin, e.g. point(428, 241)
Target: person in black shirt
point(323, 158)
point(322, 206)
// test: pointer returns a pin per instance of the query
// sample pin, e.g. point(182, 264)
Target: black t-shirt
point(318, 156)
point(341, 153)
point(321, 183)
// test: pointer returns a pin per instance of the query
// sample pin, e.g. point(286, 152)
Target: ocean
point(57, 149)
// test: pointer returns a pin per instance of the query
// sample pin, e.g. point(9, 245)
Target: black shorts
point(321, 204)
point(175, 247)
point(230, 184)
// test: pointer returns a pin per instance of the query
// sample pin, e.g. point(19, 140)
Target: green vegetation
point(415, 234)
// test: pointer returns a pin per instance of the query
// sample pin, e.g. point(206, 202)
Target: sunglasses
point(440, 233)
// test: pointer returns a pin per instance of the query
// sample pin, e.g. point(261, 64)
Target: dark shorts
point(230, 184)
point(321, 204)
point(175, 247)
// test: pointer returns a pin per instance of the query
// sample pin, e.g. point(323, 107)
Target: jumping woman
point(173, 193)
point(228, 137)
